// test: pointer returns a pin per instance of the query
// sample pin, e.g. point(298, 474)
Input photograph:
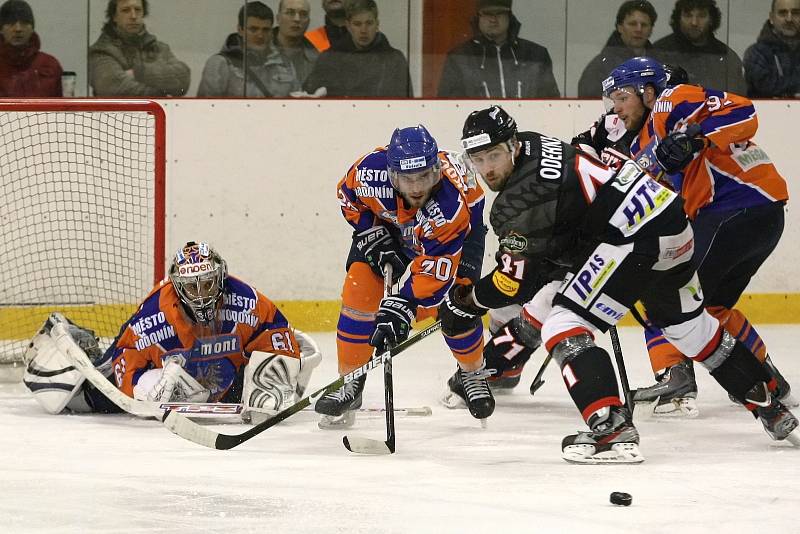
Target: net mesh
point(77, 201)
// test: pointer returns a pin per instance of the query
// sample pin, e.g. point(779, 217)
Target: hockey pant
point(361, 297)
point(730, 247)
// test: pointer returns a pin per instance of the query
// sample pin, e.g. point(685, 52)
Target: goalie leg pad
point(50, 375)
point(270, 381)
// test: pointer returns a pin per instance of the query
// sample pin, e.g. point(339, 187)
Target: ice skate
point(337, 407)
point(779, 423)
point(783, 391)
point(675, 391)
point(612, 440)
point(469, 389)
point(506, 382)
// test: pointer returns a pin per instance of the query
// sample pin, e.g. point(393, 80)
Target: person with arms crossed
point(127, 60)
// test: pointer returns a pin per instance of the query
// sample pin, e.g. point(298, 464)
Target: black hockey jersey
point(607, 140)
point(558, 204)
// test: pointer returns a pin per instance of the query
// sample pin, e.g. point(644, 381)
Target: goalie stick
point(189, 430)
point(361, 445)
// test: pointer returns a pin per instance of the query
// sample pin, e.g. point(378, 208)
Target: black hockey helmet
point(486, 128)
point(676, 75)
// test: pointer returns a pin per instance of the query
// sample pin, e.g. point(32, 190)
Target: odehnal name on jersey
point(552, 158)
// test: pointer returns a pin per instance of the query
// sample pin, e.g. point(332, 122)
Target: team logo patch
point(476, 141)
point(412, 163)
point(514, 242)
point(504, 284)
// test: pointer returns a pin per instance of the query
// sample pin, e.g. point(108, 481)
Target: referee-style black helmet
point(486, 128)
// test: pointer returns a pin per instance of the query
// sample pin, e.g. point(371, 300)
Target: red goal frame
point(88, 105)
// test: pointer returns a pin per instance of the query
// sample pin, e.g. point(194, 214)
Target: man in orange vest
point(334, 28)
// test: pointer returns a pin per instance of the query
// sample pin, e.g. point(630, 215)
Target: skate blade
point(679, 407)
point(620, 453)
point(337, 422)
point(484, 423)
point(794, 438)
point(452, 401)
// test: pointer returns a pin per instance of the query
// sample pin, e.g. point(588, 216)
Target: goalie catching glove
point(392, 323)
point(378, 248)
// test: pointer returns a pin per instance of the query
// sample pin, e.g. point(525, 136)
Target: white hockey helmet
point(198, 275)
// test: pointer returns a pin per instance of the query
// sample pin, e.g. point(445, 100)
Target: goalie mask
point(198, 275)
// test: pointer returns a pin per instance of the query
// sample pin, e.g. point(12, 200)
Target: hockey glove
point(378, 248)
point(392, 323)
point(456, 313)
point(677, 150)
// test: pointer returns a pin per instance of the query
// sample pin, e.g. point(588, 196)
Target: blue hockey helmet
point(413, 160)
point(637, 72)
point(412, 149)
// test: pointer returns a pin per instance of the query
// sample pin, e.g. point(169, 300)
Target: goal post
point(82, 213)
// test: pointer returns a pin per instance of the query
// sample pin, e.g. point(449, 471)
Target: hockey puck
point(621, 498)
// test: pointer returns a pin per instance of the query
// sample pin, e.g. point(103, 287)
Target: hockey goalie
point(200, 336)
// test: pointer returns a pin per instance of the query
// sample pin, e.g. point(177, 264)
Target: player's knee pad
point(588, 373)
point(50, 374)
point(511, 346)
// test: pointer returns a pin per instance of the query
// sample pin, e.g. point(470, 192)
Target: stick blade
point(361, 445)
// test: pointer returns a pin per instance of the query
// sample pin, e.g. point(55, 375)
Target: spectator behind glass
point(335, 28)
point(772, 64)
point(24, 70)
point(496, 62)
point(363, 65)
point(635, 21)
point(289, 37)
point(692, 45)
point(268, 73)
point(126, 60)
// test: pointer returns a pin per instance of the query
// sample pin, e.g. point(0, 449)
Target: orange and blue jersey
point(732, 172)
point(159, 330)
point(432, 236)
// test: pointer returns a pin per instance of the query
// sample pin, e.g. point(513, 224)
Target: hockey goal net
point(81, 213)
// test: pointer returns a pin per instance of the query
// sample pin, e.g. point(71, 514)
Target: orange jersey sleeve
point(732, 172)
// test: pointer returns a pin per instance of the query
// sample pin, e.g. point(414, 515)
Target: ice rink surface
point(95, 473)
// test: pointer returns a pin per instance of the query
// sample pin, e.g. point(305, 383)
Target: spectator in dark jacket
point(263, 73)
point(635, 21)
point(364, 64)
point(692, 45)
point(126, 60)
point(772, 64)
point(496, 62)
point(24, 70)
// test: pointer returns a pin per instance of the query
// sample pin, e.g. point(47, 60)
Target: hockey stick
point(78, 358)
point(207, 437)
point(361, 445)
point(623, 375)
point(538, 382)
